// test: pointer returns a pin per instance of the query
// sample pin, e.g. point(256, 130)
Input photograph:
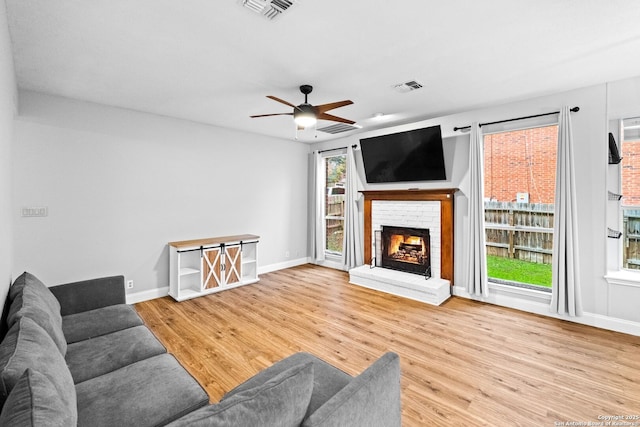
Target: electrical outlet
point(286, 254)
point(129, 284)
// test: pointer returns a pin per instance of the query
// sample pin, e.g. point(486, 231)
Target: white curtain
point(352, 254)
point(477, 250)
point(316, 217)
point(565, 288)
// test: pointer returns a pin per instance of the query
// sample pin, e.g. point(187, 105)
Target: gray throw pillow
point(27, 345)
point(280, 402)
point(31, 298)
point(34, 401)
point(28, 280)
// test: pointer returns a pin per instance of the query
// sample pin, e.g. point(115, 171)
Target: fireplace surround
point(437, 289)
point(444, 196)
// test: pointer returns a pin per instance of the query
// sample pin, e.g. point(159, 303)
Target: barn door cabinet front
point(203, 266)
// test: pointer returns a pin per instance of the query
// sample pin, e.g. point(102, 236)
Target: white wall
point(7, 111)
point(120, 184)
point(613, 308)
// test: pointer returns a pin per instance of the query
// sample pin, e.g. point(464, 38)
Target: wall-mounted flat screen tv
point(414, 155)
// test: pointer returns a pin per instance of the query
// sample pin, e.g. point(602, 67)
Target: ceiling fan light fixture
point(305, 120)
point(304, 116)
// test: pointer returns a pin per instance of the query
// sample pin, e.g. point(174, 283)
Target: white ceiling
point(215, 61)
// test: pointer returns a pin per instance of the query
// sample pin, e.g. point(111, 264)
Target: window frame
point(500, 285)
point(622, 207)
point(616, 274)
point(329, 254)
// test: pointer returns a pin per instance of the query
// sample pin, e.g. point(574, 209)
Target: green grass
point(519, 271)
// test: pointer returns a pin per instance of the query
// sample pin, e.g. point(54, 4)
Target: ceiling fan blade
point(275, 114)
point(282, 101)
point(326, 107)
point(325, 116)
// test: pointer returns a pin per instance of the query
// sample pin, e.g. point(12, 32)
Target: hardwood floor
point(463, 364)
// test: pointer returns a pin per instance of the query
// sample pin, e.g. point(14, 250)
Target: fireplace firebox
point(406, 249)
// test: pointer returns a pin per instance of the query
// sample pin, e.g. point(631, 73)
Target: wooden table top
point(210, 241)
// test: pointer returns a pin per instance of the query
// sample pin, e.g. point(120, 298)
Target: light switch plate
point(35, 211)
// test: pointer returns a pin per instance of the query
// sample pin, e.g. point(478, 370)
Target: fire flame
point(413, 240)
point(397, 239)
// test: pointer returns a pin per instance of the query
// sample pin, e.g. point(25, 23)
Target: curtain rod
point(574, 110)
point(354, 146)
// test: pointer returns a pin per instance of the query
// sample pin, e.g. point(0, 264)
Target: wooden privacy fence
point(521, 231)
point(631, 248)
point(335, 214)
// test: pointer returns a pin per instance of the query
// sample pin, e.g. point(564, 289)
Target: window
point(630, 189)
point(335, 169)
point(519, 181)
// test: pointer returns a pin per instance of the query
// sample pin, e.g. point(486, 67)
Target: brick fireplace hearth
point(427, 209)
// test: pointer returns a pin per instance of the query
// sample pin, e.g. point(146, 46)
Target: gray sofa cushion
point(328, 380)
point(33, 402)
point(374, 394)
point(101, 321)
point(89, 294)
point(27, 279)
point(97, 356)
point(31, 298)
point(280, 402)
point(152, 392)
point(27, 345)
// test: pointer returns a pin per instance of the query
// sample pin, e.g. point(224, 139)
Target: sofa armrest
point(370, 399)
point(88, 295)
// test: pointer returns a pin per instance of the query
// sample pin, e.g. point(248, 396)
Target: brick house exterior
point(630, 153)
point(522, 161)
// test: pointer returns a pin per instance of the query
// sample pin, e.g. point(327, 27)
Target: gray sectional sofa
point(77, 354)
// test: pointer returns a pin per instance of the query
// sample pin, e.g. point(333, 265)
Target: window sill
point(623, 278)
point(332, 255)
point(525, 292)
point(332, 261)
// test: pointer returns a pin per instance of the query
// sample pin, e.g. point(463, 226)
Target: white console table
point(203, 266)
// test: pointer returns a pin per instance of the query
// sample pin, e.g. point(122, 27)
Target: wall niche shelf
point(613, 196)
point(614, 159)
point(613, 234)
point(204, 266)
point(614, 154)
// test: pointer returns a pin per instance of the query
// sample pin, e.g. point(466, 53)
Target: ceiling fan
point(305, 114)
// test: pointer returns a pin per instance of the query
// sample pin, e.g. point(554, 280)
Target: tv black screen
point(415, 155)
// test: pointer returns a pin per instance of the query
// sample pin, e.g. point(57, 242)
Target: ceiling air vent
point(339, 128)
point(407, 86)
point(270, 9)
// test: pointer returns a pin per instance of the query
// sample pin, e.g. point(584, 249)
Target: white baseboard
point(136, 297)
point(282, 265)
point(542, 308)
